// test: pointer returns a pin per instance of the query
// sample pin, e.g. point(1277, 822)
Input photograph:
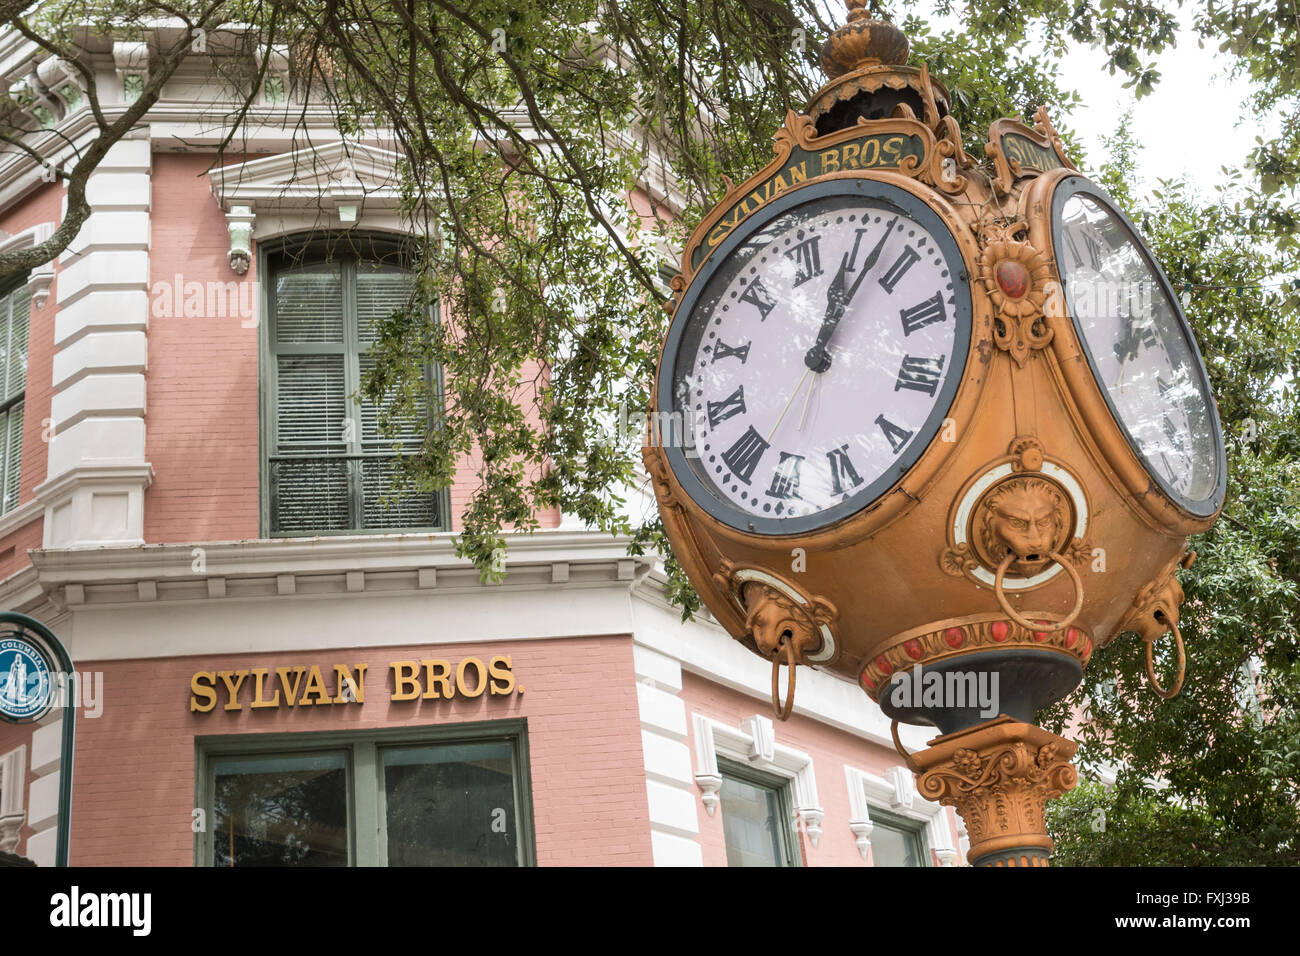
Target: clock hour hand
point(838, 298)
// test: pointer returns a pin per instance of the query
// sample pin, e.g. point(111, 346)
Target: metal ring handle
point(783, 712)
point(1182, 664)
point(898, 745)
point(1030, 625)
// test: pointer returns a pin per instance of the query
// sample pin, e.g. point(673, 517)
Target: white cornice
point(275, 567)
point(333, 173)
point(26, 512)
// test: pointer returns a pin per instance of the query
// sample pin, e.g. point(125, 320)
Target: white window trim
point(13, 777)
point(41, 278)
point(897, 794)
point(754, 744)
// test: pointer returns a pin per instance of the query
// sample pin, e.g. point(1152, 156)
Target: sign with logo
point(1019, 151)
point(903, 146)
point(26, 691)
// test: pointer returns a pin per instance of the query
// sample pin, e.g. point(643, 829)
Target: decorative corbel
point(862, 835)
point(240, 223)
point(30, 96)
point(273, 63)
point(64, 80)
point(812, 818)
point(38, 284)
point(709, 784)
point(132, 61)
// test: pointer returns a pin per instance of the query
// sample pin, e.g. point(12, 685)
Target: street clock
point(918, 416)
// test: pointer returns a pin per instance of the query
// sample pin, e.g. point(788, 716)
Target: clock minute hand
point(818, 358)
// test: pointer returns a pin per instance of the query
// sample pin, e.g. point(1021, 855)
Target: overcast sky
point(1188, 125)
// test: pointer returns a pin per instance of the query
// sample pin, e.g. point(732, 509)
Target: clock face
point(815, 356)
point(1139, 345)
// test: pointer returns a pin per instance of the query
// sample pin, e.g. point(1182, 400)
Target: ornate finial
point(861, 42)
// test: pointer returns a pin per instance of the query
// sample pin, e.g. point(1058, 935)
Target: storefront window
point(756, 818)
point(447, 796)
point(281, 811)
point(447, 805)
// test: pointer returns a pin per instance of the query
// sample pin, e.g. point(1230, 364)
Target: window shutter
point(16, 371)
point(311, 491)
point(309, 305)
point(381, 291)
point(311, 405)
point(383, 508)
point(11, 434)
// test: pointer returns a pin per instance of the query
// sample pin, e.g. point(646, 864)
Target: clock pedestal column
point(999, 776)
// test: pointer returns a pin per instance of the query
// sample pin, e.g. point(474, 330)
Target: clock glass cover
point(815, 356)
point(1139, 345)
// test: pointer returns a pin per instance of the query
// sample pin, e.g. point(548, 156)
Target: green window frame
point(15, 318)
point(780, 838)
point(326, 470)
point(362, 757)
point(909, 834)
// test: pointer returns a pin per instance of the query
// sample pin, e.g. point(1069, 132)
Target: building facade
point(282, 663)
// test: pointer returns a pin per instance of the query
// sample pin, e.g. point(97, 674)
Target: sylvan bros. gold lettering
point(259, 688)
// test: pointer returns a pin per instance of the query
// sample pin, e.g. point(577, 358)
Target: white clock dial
point(1139, 345)
point(820, 357)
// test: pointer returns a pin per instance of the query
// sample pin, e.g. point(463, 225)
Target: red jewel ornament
point(914, 650)
point(868, 682)
point(883, 663)
point(1040, 636)
point(1013, 278)
point(1071, 636)
point(1000, 629)
point(955, 636)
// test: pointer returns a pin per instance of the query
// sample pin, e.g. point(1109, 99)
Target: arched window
point(328, 470)
point(15, 309)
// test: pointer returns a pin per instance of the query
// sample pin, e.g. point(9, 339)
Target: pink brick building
point(280, 669)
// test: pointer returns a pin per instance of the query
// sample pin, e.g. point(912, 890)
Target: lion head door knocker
point(783, 625)
point(1023, 525)
point(1017, 526)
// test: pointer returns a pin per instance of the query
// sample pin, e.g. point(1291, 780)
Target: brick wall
point(202, 421)
point(135, 764)
point(44, 205)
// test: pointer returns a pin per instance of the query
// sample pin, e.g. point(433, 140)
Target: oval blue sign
point(25, 687)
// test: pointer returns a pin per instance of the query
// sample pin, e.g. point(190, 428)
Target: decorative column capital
point(999, 777)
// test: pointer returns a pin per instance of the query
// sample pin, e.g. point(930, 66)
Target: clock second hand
point(803, 416)
point(787, 405)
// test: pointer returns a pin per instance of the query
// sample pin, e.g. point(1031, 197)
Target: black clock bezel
point(896, 199)
point(1071, 186)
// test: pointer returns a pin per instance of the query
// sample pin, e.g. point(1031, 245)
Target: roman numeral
point(785, 480)
point(853, 256)
point(898, 437)
point(742, 457)
point(723, 350)
point(733, 404)
point(923, 313)
point(920, 374)
point(807, 259)
point(1094, 251)
point(842, 468)
point(1171, 432)
point(758, 297)
point(905, 261)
